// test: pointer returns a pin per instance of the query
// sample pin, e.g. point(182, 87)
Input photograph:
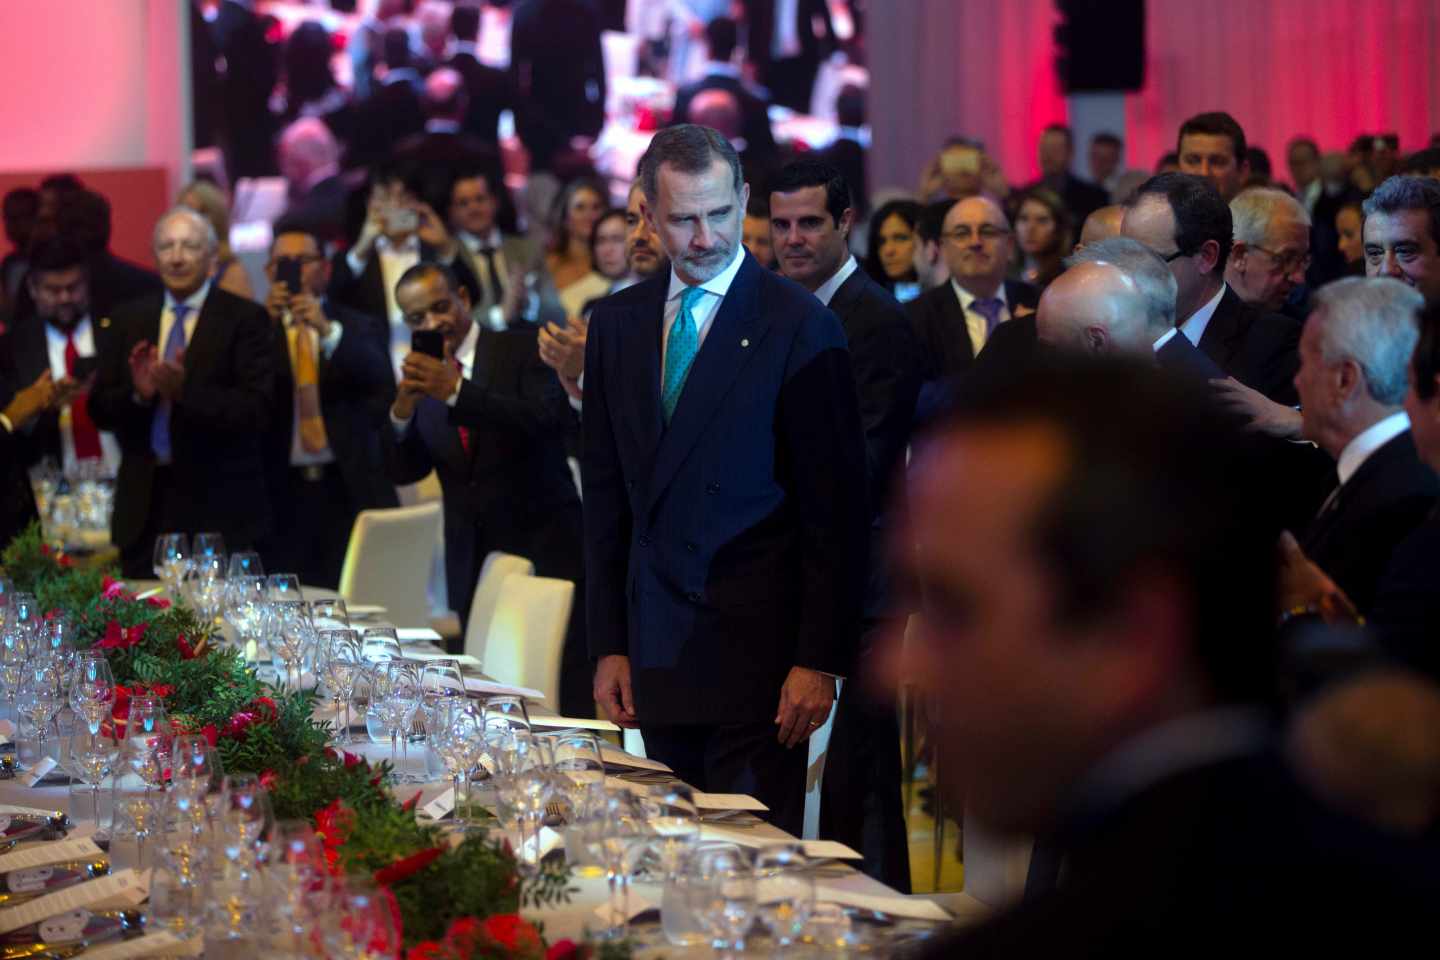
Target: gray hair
point(1400, 193)
point(1252, 211)
point(688, 148)
point(1373, 321)
point(1142, 267)
point(212, 242)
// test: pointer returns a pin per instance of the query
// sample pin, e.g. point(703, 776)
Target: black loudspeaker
point(1100, 45)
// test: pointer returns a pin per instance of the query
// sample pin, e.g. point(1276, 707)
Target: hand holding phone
point(287, 271)
point(429, 342)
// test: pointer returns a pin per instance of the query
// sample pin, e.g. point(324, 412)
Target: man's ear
point(847, 222)
point(1209, 255)
point(1096, 337)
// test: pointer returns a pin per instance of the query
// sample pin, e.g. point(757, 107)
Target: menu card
point(118, 890)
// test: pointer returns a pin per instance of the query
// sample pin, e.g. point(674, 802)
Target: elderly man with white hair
point(186, 388)
point(1271, 251)
point(309, 159)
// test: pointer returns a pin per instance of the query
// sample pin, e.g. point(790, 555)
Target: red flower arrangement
point(503, 936)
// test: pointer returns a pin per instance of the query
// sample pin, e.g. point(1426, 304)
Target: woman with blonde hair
point(206, 199)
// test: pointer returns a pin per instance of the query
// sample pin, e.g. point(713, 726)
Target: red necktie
point(464, 431)
point(82, 428)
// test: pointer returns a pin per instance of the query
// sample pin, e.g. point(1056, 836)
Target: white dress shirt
point(704, 310)
point(465, 353)
point(1164, 339)
point(1372, 438)
point(1195, 324)
point(826, 291)
point(84, 335)
point(974, 319)
point(395, 259)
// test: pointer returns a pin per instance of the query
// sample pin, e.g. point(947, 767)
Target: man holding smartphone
point(333, 384)
point(478, 407)
point(59, 335)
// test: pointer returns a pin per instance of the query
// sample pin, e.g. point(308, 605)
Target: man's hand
point(1304, 584)
point(1264, 415)
point(65, 391)
point(805, 701)
point(431, 230)
point(563, 348)
point(170, 377)
point(306, 309)
point(405, 399)
point(374, 224)
point(277, 301)
point(429, 377)
point(143, 362)
point(612, 690)
point(30, 402)
point(516, 297)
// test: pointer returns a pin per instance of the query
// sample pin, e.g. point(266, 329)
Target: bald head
point(445, 95)
point(1095, 308)
point(977, 245)
point(307, 147)
point(1102, 225)
point(719, 110)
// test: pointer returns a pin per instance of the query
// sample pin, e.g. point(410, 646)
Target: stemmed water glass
point(395, 695)
point(172, 560)
point(25, 617)
point(205, 590)
point(192, 765)
point(784, 892)
point(440, 682)
point(246, 563)
point(284, 586)
point(380, 643)
point(41, 696)
point(720, 889)
point(245, 605)
point(13, 658)
point(210, 545)
point(329, 613)
point(577, 766)
point(458, 738)
point(244, 816)
point(92, 689)
point(614, 832)
point(293, 633)
point(93, 755)
point(340, 664)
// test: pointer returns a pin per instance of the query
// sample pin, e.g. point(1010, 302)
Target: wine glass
point(615, 832)
point(293, 632)
point(246, 563)
point(440, 681)
point(340, 663)
point(329, 614)
point(13, 659)
point(244, 817)
point(172, 560)
point(26, 616)
point(506, 713)
point(183, 830)
point(380, 643)
point(7, 599)
point(92, 689)
point(577, 765)
point(40, 698)
point(784, 892)
point(457, 736)
point(284, 586)
point(210, 545)
point(93, 755)
point(192, 765)
point(720, 888)
point(395, 693)
point(205, 592)
point(245, 604)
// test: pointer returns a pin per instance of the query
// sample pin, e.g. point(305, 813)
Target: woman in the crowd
point(1349, 222)
point(210, 202)
point(1044, 236)
point(890, 260)
point(572, 223)
point(309, 88)
point(607, 252)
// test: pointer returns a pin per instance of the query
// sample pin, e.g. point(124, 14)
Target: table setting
point(227, 760)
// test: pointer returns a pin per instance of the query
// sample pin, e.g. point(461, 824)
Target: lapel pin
point(744, 343)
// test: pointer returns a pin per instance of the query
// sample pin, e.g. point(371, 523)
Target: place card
point(911, 908)
point(417, 635)
point(728, 802)
point(494, 688)
point(613, 756)
point(441, 807)
point(116, 891)
point(568, 723)
point(162, 944)
point(636, 904)
point(37, 773)
point(814, 849)
point(10, 809)
point(50, 851)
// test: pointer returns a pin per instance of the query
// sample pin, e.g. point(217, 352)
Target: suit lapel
point(734, 337)
point(208, 338)
point(846, 296)
point(1223, 333)
point(640, 340)
point(956, 326)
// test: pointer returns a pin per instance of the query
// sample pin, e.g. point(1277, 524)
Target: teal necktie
point(680, 350)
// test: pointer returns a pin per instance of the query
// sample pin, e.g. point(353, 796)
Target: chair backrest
point(388, 561)
point(527, 634)
point(493, 572)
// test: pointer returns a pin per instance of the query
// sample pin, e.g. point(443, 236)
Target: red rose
point(268, 779)
point(511, 932)
point(114, 636)
point(159, 603)
point(563, 950)
point(265, 707)
point(427, 950)
point(161, 690)
point(187, 652)
point(211, 734)
point(111, 588)
point(352, 760)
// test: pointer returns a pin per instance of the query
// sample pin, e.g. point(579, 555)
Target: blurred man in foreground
point(1096, 615)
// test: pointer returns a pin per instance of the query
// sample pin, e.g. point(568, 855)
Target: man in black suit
point(318, 192)
point(811, 215)
point(724, 480)
point(433, 158)
point(1212, 145)
point(954, 320)
point(720, 73)
point(489, 419)
point(559, 76)
point(489, 91)
point(1355, 356)
point(1057, 153)
point(18, 409)
point(333, 385)
point(1271, 252)
point(400, 230)
point(1096, 618)
point(1183, 219)
point(1402, 234)
point(61, 335)
point(783, 43)
point(191, 412)
point(392, 112)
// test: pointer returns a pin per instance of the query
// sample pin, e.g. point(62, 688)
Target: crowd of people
point(1148, 465)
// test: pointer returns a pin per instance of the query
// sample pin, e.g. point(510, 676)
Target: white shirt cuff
point(357, 265)
point(331, 340)
point(455, 394)
point(400, 426)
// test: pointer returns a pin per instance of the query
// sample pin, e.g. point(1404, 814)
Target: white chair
point(388, 561)
point(527, 634)
point(819, 746)
point(493, 572)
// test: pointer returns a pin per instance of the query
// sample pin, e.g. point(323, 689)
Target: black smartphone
point(287, 271)
point(429, 342)
point(84, 367)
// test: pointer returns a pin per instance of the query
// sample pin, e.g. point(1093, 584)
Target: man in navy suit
point(725, 495)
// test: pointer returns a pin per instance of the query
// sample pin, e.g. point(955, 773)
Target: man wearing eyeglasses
point(333, 384)
point(1271, 251)
point(1183, 219)
point(954, 320)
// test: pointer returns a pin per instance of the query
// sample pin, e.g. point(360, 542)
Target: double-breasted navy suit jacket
point(728, 546)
